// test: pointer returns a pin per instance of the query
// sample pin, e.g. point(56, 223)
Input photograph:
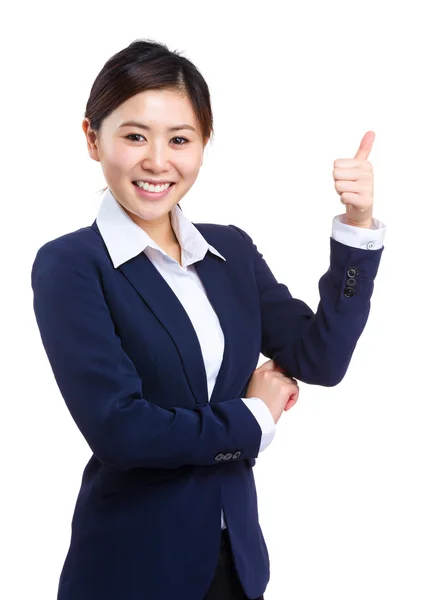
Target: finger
point(351, 174)
point(291, 401)
point(351, 163)
point(290, 378)
point(365, 146)
point(349, 186)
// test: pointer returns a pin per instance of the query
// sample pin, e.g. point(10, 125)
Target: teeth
point(151, 188)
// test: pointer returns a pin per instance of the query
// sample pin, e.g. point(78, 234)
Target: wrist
point(364, 224)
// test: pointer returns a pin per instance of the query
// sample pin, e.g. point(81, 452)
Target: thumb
point(365, 145)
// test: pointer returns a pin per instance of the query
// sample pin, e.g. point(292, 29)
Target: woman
point(153, 327)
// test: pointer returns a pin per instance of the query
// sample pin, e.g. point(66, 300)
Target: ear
point(91, 140)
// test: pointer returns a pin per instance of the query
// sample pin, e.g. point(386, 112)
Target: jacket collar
point(124, 239)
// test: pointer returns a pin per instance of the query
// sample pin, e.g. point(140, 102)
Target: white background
point(342, 489)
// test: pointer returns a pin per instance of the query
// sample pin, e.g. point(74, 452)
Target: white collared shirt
point(124, 239)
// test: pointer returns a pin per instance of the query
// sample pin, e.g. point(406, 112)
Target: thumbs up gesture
point(353, 179)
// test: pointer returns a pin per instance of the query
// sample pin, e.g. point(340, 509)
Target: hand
point(294, 397)
point(278, 391)
point(354, 183)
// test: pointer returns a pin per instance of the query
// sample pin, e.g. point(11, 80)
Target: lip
point(153, 181)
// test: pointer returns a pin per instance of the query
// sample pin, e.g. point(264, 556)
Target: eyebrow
point(147, 128)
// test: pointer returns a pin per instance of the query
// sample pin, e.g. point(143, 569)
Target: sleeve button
point(348, 292)
point(352, 271)
point(351, 282)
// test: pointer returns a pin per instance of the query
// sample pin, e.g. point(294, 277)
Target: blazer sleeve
point(316, 348)
point(101, 387)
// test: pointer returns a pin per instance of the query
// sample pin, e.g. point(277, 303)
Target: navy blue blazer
point(129, 366)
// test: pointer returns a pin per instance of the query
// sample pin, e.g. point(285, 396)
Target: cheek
point(121, 157)
point(189, 166)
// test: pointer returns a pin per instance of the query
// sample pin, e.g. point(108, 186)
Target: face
point(151, 152)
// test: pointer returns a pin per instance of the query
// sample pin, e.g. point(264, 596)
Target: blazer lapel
point(163, 302)
point(213, 274)
point(157, 294)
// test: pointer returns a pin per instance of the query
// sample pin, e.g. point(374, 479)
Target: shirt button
point(370, 245)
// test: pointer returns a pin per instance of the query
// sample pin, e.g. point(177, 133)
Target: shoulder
point(224, 233)
point(83, 248)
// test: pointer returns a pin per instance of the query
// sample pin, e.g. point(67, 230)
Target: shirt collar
point(125, 239)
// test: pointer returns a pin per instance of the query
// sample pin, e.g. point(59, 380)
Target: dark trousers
point(226, 584)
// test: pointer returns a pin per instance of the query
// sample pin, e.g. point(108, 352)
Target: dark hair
point(148, 65)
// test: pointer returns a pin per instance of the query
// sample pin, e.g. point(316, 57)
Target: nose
point(157, 157)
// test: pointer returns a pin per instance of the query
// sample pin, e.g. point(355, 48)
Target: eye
point(181, 138)
point(133, 135)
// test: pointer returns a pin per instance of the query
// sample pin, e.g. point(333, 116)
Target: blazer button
point(236, 455)
point(351, 282)
point(352, 271)
point(219, 456)
point(349, 292)
point(227, 456)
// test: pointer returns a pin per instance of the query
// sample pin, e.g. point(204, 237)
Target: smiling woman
point(154, 325)
point(137, 343)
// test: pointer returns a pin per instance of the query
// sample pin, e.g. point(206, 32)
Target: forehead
point(163, 108)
